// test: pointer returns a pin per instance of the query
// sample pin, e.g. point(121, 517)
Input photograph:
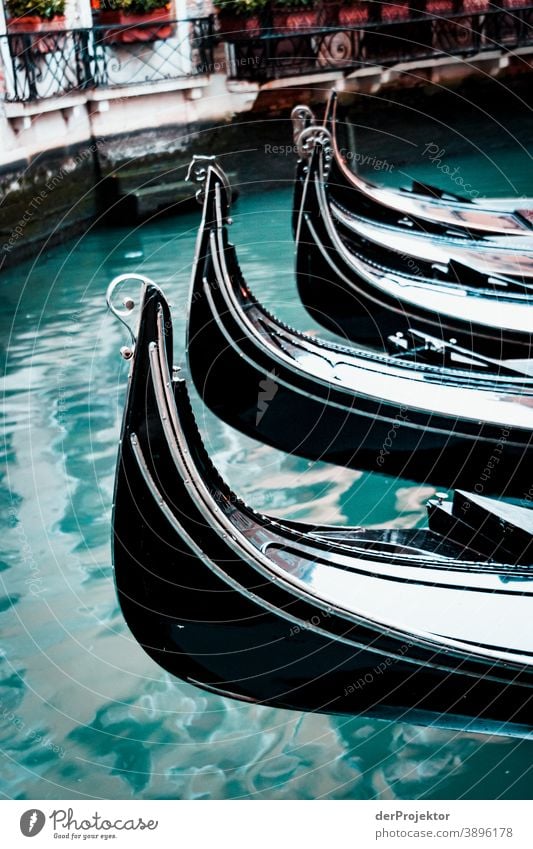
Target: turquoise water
point(84, 713)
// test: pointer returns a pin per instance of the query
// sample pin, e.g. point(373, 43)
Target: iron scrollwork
point(56, 62)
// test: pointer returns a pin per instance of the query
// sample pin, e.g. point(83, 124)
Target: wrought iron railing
point(386, 33)
point(53, 63)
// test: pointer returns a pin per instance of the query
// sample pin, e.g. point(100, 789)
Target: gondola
point(442, 420)
point(466, 258)
point(350, 286)
point(402, 625)
point(423, 207)
point(491, 263)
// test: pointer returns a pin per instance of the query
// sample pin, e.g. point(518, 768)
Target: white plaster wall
point(25, 135)
point(27, 129)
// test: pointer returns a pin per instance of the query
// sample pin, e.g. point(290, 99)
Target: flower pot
point(475, 6)
point(145, 26)
point(286, 21)
point(35, 25)
point(440, 7)
point(243, 26)
point(350, 16)
point(395, 11)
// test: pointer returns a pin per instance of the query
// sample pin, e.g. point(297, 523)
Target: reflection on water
point(84, 712)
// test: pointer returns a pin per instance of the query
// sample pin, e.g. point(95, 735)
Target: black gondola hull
point(340, 286)
point(424, 208)
point(200, 610)
point(237, 374)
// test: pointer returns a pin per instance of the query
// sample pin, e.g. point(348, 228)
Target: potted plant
point(476, 6)
point(138, 20)
point(289, 15)
point(395, 11)
point(240, 16)
point(440, 7)
point(35, 16)
point(353, 13)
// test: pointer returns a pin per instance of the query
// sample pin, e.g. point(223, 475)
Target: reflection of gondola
point(397, 624)
point(352, 407)
point(424, 206)
point(349, 285)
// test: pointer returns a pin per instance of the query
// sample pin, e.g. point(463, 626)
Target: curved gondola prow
point(215, 195)
point(312, 137)
point(302, 117)
point(341, 174)
point(140, 592)
point(207, 173)
point(330, 124)
point(150, 296)
point(161, 378)
point(482, 320)
point(165, 589)
point(304, 127)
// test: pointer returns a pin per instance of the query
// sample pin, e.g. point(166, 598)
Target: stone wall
point(123, 153)
point(45, 200)
point(131, 176)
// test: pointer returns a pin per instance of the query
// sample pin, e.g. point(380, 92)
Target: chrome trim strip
point(431, 248)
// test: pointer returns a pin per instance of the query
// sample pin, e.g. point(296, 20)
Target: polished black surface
point(345, 405)
point(497, 265)
point(296, 615)
point(421, 207)
point(493, 529)
point(360, 288)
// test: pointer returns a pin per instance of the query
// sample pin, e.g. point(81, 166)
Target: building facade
point(99, 109)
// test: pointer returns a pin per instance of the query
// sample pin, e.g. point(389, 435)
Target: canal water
point(84, 713)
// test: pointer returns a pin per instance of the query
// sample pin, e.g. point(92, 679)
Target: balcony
point(53, 63)
point(375, 33)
